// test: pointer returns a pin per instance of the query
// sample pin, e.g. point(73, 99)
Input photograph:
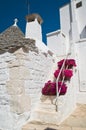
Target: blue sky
point(48, 9)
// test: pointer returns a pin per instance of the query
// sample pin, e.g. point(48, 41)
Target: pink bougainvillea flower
point(69, 62)
point(49, 88)
point(60, 63)
point(56, 73)
point(68, 73)
point(62, 88)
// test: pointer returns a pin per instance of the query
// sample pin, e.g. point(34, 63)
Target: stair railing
point(57, 80)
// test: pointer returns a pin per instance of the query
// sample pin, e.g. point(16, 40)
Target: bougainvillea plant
point(69, 62)
point(56, 73)
point(66, 74)
point(62, 88)
point(50, 88)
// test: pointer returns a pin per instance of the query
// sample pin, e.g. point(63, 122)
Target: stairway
point(46, 111)
point(76, 121)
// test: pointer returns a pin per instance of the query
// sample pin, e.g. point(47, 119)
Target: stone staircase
point(45, 109)
point(76, 121)
point(45, 113)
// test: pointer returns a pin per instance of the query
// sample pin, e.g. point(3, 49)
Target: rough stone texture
point(6, 119)
point(25, 65)
point(22, 75)
point(76, 121)
point(47, 106)
point(13, 39)
point(77, 118)
point(20, 103)
point(45, 127)
point(37, 65)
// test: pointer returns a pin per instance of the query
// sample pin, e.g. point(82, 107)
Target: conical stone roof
point(13, 38)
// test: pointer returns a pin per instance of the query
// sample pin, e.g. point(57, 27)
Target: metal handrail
point(62, 82)
point(58, 92)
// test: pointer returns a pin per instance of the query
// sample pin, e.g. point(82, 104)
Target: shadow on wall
point(49, 129)
point(83, 33)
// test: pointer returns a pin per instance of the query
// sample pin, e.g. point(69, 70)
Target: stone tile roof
point(13, 38)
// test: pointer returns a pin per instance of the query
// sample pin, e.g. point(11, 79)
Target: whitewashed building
point(26, 63)
point(72, 38)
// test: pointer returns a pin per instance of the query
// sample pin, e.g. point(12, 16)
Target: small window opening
point(79, 4)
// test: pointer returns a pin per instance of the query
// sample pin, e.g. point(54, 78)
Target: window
point(79, 4)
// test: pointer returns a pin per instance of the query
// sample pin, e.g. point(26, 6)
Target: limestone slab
point(78, 128)
point(19, 73)
point(38, 126)
point(20, 103)
point(78, 117)
point(15, 87)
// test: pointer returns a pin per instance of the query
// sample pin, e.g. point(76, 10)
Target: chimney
point(33, 26)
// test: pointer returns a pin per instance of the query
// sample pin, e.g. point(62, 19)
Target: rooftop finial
point(15, 22)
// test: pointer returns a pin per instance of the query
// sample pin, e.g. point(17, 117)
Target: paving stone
point(76, 121)
point(78, 128)
point(77, 118)
point(36, 126)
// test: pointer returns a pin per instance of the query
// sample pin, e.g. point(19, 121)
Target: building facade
point(73, 26)
point(26, 63)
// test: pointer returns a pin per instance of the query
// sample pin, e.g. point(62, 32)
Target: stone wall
point(22, 76)
point(6, 119)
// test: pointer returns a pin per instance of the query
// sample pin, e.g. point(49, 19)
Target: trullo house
point(26, 64)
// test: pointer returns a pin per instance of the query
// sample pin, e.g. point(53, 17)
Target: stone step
point(45, 111)
point(77, 118)
point(78, 128)
point(76, 121)
point(45, 116)
point(38, 126)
